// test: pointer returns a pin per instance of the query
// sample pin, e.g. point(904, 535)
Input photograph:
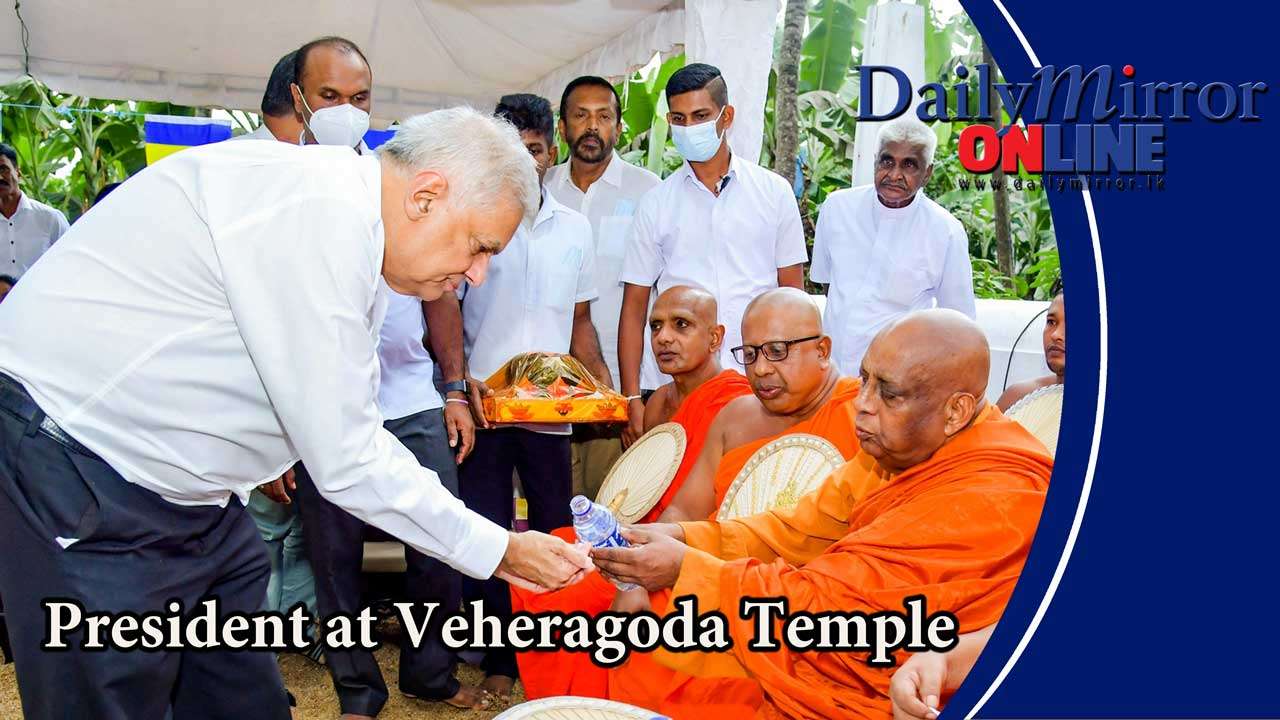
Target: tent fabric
point(425, 54)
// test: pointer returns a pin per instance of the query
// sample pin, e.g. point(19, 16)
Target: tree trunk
point(786, 125)
point(1004, 230)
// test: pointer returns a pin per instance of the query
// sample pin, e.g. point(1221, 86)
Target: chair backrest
point(578, 708)
point(1040, 413)
point(779, 474)
point(638, 479)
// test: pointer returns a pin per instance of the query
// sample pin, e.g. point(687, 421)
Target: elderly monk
point(958, 490)
point(686, 337)
point(1055, 356)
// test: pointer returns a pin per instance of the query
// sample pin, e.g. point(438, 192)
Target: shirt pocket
point(902, 284)
point(556, 283)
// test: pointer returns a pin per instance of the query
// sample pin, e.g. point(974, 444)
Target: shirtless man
point(1055, 356)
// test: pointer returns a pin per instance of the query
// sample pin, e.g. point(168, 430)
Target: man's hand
point(670, 529)
point(460, 426)
point(278, 490)
point(652, 562)
point(478, 392)
point(917, 685)
point(539, 562)
point(635, 423)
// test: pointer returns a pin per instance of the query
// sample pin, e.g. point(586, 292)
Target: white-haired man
point(885, 249)
point(231, 331)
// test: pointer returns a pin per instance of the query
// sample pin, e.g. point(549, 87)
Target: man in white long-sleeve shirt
point(885, 249)
point(218, 325)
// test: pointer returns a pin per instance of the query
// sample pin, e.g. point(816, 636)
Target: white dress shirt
point(882, 262)
point(731, 245)
point(527, 301)
point(221, 323)
point(32, 230)
point(408, 382)
point(610, 204)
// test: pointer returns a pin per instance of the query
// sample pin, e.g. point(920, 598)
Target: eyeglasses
point(773, 351)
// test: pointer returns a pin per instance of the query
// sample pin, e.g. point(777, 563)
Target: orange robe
point(956, 528)
point(641, 680)
point(546, 674)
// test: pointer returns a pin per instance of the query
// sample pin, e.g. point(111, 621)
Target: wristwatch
point(455, 386)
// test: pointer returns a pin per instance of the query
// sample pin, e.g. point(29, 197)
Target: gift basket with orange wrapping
point(544, 387)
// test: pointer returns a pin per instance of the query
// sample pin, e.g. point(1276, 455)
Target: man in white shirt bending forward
point(219, 325)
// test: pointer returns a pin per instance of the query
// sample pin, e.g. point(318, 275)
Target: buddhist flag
point(167, 134)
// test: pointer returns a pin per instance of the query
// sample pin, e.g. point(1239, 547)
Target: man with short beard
point(885, 249)
point(605, 188)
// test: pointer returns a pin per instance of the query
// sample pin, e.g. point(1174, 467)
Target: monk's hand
point(670, 529)
point(652, 562)
point(635, 423)
point(631, 601)
point(539, 562)
point(916, 687)
point(278, 490)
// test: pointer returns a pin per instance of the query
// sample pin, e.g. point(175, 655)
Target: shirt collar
point(734, 163)
point(613, 173)
point(549, 207)
point(24, 203)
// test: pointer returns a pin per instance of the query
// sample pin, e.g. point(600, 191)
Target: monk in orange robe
point(686, 342)
point(958, 490)
point(796, 389)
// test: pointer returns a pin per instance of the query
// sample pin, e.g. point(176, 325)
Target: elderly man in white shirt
point(536, 300)
point(607, 189)
point(885, 249)
point(720, 222)
point(28, 227)
point(217, 326)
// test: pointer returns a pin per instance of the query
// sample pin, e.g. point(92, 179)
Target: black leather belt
point(14, 398)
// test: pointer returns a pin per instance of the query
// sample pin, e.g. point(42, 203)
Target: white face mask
point(697, 143)
point(343, 125)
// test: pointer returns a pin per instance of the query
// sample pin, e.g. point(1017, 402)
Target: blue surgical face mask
point(697, 143)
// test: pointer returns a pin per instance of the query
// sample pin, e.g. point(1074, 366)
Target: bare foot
point(499, 685)
point(470, 697)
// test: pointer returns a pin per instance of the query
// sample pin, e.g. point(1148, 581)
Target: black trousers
point(335, 547)
point(134, 552)
point(543, 463)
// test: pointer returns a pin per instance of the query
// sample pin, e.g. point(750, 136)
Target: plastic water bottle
point(597, 527)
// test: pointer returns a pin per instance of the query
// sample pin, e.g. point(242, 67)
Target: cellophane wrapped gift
point(543, 387)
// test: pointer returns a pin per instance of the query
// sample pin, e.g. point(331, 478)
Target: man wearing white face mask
point(332, 93)
point(720, 222)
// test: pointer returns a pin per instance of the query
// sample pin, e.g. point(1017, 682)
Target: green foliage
point(827, 51)
point(69, 146)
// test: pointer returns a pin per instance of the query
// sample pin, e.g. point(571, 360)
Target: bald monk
point(1055, 356)
point(958, 490)
point(686, 337)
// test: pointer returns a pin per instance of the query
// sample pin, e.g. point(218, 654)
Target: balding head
point(684, 330)
point(770, 324)
point(924, 380)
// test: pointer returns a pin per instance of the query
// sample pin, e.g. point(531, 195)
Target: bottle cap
point(579, 505)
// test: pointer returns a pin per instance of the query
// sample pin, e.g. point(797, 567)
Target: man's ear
point(928, 173)
point(717, 338)
point(296, 92)
point(424, 189)
point(560, 129)
point(727, 117)
point(959, 411)
point(824, 347)
point(554, 154)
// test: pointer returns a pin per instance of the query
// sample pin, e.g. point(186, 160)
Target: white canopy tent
point(425, 54)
